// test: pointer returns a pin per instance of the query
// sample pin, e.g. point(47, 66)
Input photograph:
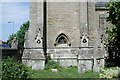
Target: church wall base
point(83, 59)
point(34, 58)
point(65, 58)
point(85, 65)
point(98, 65)
point(66, 62)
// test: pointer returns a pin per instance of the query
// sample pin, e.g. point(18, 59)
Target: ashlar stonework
point(71, 33)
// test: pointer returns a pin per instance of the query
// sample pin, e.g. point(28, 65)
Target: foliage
point(71, 72)
point(109, 73)
point(52, 65)
point(114, 31)
point(111, 34)
point(19, 35)
point(119, 72)
point(109, 64)
point(114, 12)
point(114, 18)
point(70, 67)
point(11, 68)
point(11, 37)
point(4, 42)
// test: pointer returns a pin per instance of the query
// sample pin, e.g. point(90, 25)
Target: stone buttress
point(33, 54)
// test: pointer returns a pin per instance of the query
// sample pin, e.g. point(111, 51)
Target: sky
point(16, 11)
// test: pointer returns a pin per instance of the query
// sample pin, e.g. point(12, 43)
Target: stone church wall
point(33, 54)
point(73, 35)
point(63, 18)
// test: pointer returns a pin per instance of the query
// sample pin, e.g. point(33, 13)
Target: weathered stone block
point(68, 62)
point(38, 64)
point(34, 58)
point(85, 65)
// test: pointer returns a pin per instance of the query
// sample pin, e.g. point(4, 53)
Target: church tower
point(65, 31)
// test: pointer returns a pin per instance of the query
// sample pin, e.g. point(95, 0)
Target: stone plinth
point(34, 58)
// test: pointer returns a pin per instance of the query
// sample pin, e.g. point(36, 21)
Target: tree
point(19, 35)
point(11, 37)
point(114, 31)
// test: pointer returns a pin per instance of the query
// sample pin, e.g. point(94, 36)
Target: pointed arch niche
point(62, 41)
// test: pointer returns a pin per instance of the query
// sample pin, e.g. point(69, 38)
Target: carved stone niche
point(84, 40)
point(38, 38)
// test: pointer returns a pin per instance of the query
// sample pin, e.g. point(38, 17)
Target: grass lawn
point(63, 73)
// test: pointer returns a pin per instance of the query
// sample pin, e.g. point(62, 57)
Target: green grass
point(63, 73)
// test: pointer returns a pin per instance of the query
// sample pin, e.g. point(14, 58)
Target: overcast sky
point(17, 11)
